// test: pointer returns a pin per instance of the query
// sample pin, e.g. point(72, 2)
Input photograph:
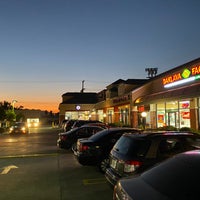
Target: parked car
point(67, 139)
point(133, 154)
point(95, 149)
point(174, 178)
point(68, 125)
point(19, 128)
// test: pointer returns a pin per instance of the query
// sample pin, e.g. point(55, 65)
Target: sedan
point(174, 178)
point(95, 149)
point(19, 128)
point(68, 139)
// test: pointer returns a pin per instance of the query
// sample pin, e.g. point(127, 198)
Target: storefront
point(115, 110)
point(170, 99)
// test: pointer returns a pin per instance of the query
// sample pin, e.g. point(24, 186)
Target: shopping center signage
point(185, 76)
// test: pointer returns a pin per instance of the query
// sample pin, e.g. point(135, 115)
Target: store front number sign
point(185, 76)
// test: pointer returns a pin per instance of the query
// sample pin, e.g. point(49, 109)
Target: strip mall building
point(169, 99)
point(172, 98)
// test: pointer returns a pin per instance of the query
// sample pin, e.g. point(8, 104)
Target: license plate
point(113, 163)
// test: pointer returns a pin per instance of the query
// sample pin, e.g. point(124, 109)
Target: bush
point(167, 128)
point(189, 130)
point(2, 130)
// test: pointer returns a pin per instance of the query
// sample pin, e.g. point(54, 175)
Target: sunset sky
point(47, 47)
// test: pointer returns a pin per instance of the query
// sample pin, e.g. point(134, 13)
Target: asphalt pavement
point(35, 168)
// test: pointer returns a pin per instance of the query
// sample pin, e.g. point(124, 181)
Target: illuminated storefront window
point(161, 115)
point(110, 114)
point(82, 115)
point(124, 115)
point(100, 115)
point(184, 108)
point(173, 113)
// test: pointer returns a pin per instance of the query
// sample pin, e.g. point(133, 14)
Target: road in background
point(33, 167)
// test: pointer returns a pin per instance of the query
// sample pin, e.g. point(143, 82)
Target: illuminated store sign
point(187, 75)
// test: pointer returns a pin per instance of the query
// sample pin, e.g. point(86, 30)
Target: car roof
point(182, 168)
point(122, 128)
point(162, 133)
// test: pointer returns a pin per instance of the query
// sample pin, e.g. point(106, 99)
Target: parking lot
point(33, 167)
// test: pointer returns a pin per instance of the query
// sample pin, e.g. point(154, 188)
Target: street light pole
point(13, 104)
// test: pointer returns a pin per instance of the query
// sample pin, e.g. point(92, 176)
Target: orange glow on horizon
point(49, 106)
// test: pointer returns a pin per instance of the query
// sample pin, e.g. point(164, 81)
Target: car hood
point(138, 189)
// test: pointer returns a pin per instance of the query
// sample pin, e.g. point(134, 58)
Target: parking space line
point(29, 155)
point(94, 181)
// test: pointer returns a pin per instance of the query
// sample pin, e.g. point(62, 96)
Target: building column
point(134, 118)
point(194, 114)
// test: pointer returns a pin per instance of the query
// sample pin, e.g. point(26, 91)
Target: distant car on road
point(133, 154)
point(174, 178)
point(19, 128)
point(67, 139)
point(95, 149)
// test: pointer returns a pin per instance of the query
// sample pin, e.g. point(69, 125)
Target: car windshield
point(173, 177)
point(20, 124)
point(133, 147)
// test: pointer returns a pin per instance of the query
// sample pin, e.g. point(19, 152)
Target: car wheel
point(74, 147)
point(103, 165)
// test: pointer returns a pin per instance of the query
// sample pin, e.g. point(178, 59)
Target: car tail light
point(131, 165)
point(63, 137)
point(83, 147)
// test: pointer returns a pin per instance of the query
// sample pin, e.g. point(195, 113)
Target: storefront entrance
point(172, 119)
point(173, 113)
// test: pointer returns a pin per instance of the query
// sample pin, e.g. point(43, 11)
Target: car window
point(192, 142)
point(133, 147)
point(93, 130)
point(82, 131)
point(170, 146)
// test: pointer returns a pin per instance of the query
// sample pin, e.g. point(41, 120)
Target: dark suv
point(133, 154)
point(95, 149)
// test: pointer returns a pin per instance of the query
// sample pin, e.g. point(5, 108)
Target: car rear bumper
point(85, 159)
point(111, 176)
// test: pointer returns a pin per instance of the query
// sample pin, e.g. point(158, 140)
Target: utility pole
point(82, 90)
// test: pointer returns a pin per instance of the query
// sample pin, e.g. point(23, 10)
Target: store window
point(110, 114)
point(161, 115)
point(100, 115)
point(184, 108)
point(173, 113)
point(124, 115)
point(81, 115)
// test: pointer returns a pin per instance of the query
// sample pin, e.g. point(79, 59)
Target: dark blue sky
point(47, 47)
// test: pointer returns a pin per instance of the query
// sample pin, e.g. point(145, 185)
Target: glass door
point(173, 119)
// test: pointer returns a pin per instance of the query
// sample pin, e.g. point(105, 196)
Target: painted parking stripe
point(29, 155)
point(94, 181)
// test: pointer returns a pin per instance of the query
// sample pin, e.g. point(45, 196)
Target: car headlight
point(119, 193)
point(23, 128)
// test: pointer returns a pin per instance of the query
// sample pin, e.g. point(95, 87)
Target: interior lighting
point(143, 114)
